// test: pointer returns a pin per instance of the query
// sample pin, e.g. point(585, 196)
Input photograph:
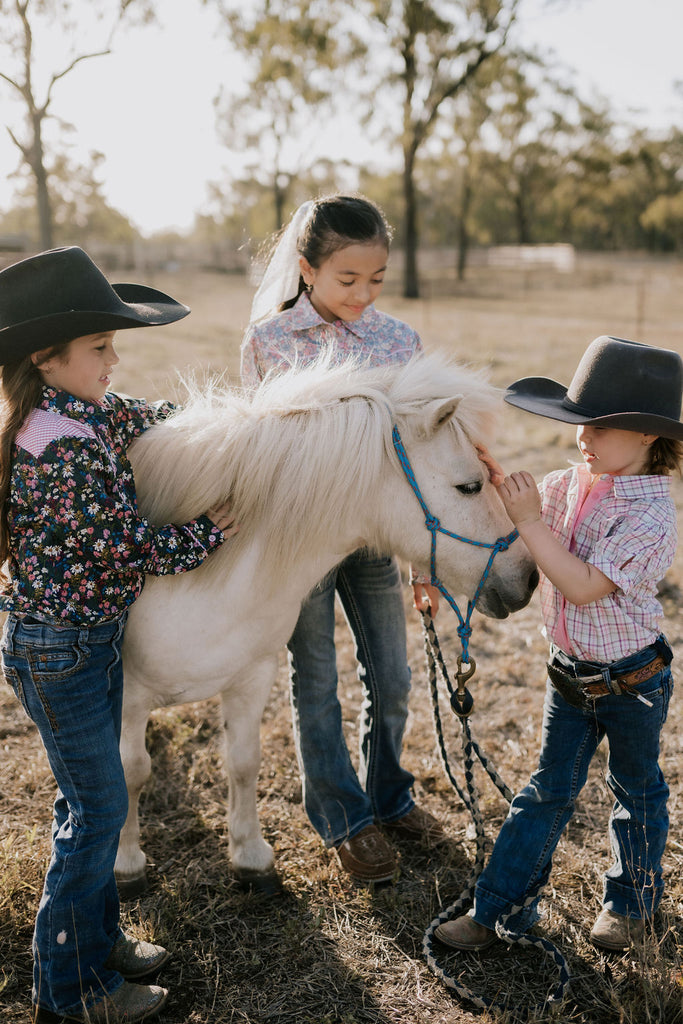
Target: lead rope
point(470, 749)
point(462, 705)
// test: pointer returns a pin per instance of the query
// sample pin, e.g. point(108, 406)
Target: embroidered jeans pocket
point(50, 664)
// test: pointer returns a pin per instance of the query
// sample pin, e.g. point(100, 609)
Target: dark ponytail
point(334, 223)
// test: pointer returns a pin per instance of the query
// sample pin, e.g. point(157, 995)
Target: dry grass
point(327, 952)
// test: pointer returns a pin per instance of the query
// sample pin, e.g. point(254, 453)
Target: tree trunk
point(522, 218)
point(411, 285)
point(279, 198)
point(463, 234)
point(42, 192)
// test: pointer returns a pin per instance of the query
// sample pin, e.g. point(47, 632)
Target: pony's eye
point(472, 488)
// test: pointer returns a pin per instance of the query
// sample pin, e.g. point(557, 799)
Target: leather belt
point(575, 689)
point(625, 682)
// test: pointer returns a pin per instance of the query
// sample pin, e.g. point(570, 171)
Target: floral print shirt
point(299, 335)
point(79, 550)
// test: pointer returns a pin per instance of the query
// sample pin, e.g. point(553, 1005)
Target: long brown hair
point(666, 455)
point(22, 386)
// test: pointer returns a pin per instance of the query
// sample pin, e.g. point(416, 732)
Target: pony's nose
point(533, 580)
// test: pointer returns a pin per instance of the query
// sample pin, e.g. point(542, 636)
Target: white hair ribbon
point(281, 277)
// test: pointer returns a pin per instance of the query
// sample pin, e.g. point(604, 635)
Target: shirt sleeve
point(637, 547)
point(249, 368)
point(83, 510)
point(132, 416)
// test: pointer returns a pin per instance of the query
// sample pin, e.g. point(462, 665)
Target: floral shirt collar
point(298, 336)
point(303, 316)
point(61, 402)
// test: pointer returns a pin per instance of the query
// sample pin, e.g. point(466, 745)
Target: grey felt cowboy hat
point(61, 294)
point(618, 383)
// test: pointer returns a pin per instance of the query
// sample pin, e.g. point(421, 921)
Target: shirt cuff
point(206, 532)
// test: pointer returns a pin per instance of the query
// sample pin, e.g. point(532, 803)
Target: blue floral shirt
point(299, 335)
point(79, 550)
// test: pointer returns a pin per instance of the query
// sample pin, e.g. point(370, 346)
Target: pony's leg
point(130, 861)
point(242, 710)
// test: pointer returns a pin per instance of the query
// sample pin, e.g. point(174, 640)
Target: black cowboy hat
point(618, 383)
point(61, 294)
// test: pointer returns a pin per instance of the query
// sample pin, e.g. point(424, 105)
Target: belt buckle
point(599, 677)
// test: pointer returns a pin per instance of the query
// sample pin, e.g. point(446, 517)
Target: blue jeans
point(338, 801)
point(522, 855)
point(70, 682)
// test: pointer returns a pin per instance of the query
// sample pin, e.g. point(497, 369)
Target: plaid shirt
point(630, 535)
point(299, 335)
point(79, 550)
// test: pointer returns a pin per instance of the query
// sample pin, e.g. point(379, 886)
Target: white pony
point(309, 464)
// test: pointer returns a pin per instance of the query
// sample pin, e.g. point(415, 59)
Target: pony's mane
point(298, 453)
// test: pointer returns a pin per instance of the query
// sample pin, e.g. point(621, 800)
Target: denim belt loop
point(609, 682)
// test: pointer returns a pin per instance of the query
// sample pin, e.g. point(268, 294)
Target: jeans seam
point(360, 635)
point(47, 707)
point(574, 791)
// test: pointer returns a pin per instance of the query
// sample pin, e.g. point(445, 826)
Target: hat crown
point(617, 376)
point(58, 281)
point(61, 294)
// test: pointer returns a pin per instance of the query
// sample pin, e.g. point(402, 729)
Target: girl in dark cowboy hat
point(76, 552)
point(603, 534)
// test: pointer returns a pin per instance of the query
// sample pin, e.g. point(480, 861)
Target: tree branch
point(60, 74)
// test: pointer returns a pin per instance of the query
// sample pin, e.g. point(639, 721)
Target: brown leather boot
point(616, 933)
point(128, 1004)
point(417, 825)
point(368, 857)
point(466, 934)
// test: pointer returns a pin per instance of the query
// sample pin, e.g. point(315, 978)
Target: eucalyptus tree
point(60, 21)
point(79, 209)
point(295, 55)
point(427, 52)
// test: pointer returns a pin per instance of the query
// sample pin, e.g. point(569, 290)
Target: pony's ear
point(439, 412)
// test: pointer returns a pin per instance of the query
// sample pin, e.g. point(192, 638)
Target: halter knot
point(503, 543)
point(432, 523)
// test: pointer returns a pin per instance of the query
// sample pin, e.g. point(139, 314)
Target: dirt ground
point(326, 951)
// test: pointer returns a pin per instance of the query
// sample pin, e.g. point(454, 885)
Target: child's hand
point(425, 598)
point(496, 471)
point(521, 498)
point(222, 517)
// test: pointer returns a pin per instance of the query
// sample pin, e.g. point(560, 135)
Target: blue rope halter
point(434, 526)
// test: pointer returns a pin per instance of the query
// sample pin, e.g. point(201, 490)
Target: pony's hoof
point(132, 888)
point(259, 883)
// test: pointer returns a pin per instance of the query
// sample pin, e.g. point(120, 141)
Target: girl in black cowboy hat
point(603, 534)
point(75, 553)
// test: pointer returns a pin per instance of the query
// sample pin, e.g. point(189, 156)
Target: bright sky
point(149, 105)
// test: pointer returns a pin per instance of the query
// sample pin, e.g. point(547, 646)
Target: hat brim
point(138, 306)
point(543, 396)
